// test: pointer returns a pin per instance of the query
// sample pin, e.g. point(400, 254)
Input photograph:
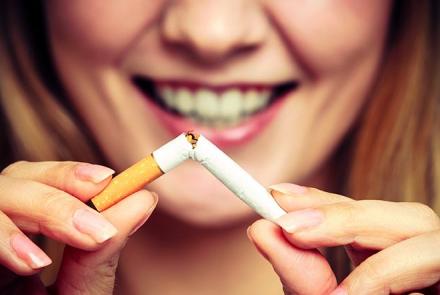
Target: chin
point(191, 195)
point(210, 218)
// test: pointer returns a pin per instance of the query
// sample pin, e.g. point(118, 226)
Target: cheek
point(328, 34)
point(99, 29)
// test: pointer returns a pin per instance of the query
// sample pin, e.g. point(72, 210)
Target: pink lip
point(224, 138)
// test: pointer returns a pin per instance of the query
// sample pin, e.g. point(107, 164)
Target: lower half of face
point(274, 93)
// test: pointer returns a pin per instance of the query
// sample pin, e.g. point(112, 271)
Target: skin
point(96, 56)
point(174, 41)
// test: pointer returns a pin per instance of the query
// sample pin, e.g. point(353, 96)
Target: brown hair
point(395, 149)
point(39, 124)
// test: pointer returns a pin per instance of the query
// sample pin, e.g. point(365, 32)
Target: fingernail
point(289, 188)
point(299, 220)
point(156, 199)
point(93, 224)
point(142, 222)
point(339, 291)
point(248, 233)
point(262, 253)
point(93, 173)
point(30, 253)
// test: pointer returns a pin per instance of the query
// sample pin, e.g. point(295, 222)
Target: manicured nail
point(156, 199)
point(93, 224)
point(299, 220)
point(262, 253)
point(30, 253)
point(339, 291)
point(93, 173)
point(248, 233)
point(289, 188)
point(142, 222)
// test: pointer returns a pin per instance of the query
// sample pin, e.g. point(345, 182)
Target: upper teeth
point(229, 106)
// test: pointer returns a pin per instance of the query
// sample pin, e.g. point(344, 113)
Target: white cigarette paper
point(223, 168)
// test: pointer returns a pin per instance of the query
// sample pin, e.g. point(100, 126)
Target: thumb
point(301, 271)
point(93, 272)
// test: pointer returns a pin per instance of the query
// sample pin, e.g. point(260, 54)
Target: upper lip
point(192, 85)
point(217, 88)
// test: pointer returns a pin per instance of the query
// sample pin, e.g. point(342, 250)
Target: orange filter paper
point(127, 182)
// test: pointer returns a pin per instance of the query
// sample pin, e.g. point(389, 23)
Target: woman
point(339, 95)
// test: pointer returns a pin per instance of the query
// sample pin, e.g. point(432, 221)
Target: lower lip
point(227, 137)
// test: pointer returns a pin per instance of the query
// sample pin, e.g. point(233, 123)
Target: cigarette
point(196, 147)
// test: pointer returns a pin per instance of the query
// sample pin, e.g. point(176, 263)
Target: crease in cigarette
point(186, 146)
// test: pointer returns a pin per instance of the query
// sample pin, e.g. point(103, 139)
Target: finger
point(297, 268)
point(81, 180)
point(93, 272)
point(370, 224)
point(410, 265)
point(37, 208)
point(17, 252)
point(292, 197)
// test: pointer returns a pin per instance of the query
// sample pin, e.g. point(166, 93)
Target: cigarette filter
point(190, 146)
point(127, 182)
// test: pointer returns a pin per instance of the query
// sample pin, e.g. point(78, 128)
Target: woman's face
point(275, 83)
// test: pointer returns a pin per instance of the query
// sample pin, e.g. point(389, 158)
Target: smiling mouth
point(212, 106)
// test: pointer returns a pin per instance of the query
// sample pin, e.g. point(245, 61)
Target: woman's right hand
point(48, 198)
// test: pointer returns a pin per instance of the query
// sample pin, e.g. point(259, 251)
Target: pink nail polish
point(93, 173)
point(289, 188)
point(30, 253)
point(299, 220)
point(93, 224)
point(262, 253)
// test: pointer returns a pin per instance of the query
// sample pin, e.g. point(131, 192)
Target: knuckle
point(12, 168)
point(435, 238)
point(348, 220)
point(370, 277)
point(52, 198)
point(349, 212)
point(426, 215)
point(54, 208)
point(66, 166)
point(97, 279)
point(59, 172)
point(313, 190)
point(75, 286)
point(371, 272)
point(107, 269)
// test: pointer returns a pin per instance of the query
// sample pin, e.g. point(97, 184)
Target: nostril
point(210, 36)
point(210, 47)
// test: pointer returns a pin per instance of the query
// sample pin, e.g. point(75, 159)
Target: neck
point(168, 256)
point(331, 176)
point(171, 257)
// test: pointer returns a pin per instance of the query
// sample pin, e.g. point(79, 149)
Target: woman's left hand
point(395, 247)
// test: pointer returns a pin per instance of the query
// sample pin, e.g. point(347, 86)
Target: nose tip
point(212, 32)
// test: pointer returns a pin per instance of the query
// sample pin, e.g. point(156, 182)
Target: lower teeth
point(217, 123)
point(206, 107)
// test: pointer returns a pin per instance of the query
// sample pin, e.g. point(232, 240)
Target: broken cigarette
point(189, 146)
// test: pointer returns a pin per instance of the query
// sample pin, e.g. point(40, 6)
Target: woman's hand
point(48, 198)
point(394, 246)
